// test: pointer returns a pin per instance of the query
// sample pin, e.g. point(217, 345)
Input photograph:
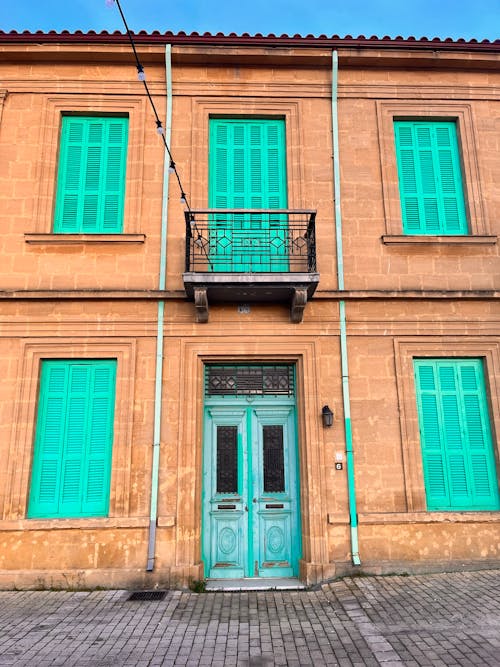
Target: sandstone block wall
point(96, 298)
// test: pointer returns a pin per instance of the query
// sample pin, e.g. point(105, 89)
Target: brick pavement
point(426, 620)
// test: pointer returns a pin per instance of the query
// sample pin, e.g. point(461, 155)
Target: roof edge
point(245, 39)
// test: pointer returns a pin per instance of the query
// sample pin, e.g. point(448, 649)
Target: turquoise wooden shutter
point(430, 180)
point(457, 451)
point(74, 434)
point(247, 170)
point(91, 179)
point(49, 442)
point(99, 439)
point(274, 159)
point(73, 456)
point(247, 165)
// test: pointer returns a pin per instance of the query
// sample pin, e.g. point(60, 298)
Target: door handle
point(254, 500)
point(246, 508)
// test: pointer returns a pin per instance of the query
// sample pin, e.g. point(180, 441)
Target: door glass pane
point(274, 464)
point(227, 459)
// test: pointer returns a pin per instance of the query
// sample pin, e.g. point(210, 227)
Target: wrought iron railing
point(250, 241)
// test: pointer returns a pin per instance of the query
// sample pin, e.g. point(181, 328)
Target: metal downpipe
point(155, 468)
point(351, 488)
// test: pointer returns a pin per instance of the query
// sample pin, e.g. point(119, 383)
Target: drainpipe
point(353, 515)
point(155, 469)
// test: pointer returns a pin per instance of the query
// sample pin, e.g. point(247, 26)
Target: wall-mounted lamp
point(327, 416)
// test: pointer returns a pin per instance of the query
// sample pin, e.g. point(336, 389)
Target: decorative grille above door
point(264, 380)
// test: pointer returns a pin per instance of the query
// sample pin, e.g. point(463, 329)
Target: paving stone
point(442, 620)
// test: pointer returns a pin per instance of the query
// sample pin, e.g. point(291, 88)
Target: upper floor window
point(430, 178)
point(247, 171)
point(91, 175)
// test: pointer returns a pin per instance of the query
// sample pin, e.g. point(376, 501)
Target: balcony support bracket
point(201, 304)
point(299, 301)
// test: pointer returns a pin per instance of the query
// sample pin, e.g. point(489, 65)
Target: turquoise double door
point(251, 524)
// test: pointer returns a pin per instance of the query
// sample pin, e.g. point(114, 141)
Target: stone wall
point(77, 297)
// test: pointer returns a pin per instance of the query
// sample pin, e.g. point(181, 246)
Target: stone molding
point(319, 294)
point(84, 239)
point(32, 351)
point(336, 519)
point(46, 158)
point(3, 97)
point(428, 517)
point(462, 113)
point(410, 239)
point(244, 349)
point(405, 350)
point(202, 108)
point(256, 89)
point(92, 523)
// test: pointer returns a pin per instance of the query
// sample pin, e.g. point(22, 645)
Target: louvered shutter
point(247, 163)
point(430, 181)
point(99, 438)
point(274, 165)
point(433, 449)
point(49, 441)
point(220, 195)
point(457, 453)
point(70, 176)
point(455, 447)
point(450, 178)
point(91, 178)
point(484, 482)
point(247, 169)
point(74, 434)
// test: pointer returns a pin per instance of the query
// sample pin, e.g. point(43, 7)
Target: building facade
point(293, 371)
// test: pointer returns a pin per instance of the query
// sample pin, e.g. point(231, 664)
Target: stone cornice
point(253, 90)
point(303, 52)
point(334, 295)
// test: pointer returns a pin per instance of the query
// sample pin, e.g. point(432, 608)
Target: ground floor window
point(74, 433)
point(455, 435)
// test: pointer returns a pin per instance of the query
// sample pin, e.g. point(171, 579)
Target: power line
point(159, 127)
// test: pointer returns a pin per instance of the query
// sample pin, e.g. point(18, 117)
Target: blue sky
point(478, 19)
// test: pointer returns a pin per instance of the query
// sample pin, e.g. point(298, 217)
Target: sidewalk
point(426, 620)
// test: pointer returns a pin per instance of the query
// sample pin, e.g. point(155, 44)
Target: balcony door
point(247, 171)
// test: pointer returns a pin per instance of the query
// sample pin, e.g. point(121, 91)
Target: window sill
point(384, 518)
point(398, 239)
point(84, 523)
point(71, 239)
point(486, 516)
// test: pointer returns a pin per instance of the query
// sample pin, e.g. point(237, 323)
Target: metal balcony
point(249, 256)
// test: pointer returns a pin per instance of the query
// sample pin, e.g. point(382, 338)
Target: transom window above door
point(244, 380)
